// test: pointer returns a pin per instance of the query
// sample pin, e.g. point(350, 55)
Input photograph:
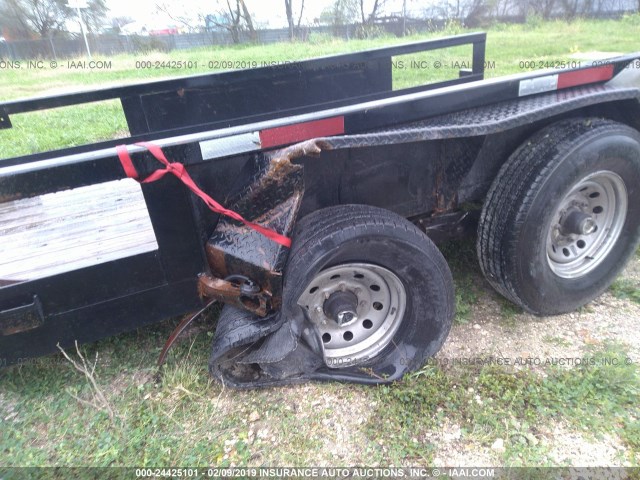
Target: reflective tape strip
point(233, 145)
point(588, 75)
point(272, 137)
point(299, 132)
point(547, 83)
point(562, 80)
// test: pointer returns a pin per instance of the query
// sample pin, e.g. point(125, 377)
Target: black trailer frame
point(207, 123)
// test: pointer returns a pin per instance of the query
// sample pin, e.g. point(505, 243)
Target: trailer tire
point(563, 215)
point(389, 269)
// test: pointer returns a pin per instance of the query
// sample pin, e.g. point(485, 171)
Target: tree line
point(52, 18)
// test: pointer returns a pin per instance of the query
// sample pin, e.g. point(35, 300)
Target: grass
point(151, 419)
point(509, 312)
point(181, 421)
point(461, 257)
point(558, 341)
point(68, 126)
point(185, 419)
point(508, 46)
point(491, 402)
point(626, 289)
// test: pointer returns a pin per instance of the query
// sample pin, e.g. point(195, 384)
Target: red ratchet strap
point(179, 171)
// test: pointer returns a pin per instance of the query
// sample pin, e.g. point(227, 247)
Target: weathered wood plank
point(68, 230)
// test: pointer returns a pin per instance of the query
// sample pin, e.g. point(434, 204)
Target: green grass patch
point(508, 311)
point(183, 419)
point(63, 127)
point(151, 419)
point(558, 341)
point(491, 401)
point(463, 262)
point(462, 258)
point(626, 289)
point(466, 297)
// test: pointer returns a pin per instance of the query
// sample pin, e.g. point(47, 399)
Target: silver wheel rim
point(381, 300)
point(587, 224)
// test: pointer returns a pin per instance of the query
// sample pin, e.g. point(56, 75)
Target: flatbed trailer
point(333, 188)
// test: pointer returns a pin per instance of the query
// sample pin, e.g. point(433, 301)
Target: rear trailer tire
point(376, 293)
point(563, 215)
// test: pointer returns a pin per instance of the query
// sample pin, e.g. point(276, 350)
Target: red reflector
point(301, 131)
point(582, 77)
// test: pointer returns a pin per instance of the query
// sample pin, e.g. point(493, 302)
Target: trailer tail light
point(562, 80)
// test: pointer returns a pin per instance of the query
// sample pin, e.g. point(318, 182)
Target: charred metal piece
point(247, 286)
point(225, 291)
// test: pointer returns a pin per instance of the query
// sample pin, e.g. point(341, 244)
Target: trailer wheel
point(563, 215)
point(374, 289)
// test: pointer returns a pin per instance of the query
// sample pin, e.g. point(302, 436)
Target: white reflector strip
point(222, 147)
point(538, 85)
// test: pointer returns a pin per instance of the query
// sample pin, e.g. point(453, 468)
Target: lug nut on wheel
point(588, 226)
point(346, 317)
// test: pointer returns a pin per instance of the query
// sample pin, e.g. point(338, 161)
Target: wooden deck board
point(68, 230)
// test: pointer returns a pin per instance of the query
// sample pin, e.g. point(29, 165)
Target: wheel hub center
point(579, 223)
point(342, 307)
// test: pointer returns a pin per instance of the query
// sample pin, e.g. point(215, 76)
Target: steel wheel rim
point(381, 300)
point(602, 196)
